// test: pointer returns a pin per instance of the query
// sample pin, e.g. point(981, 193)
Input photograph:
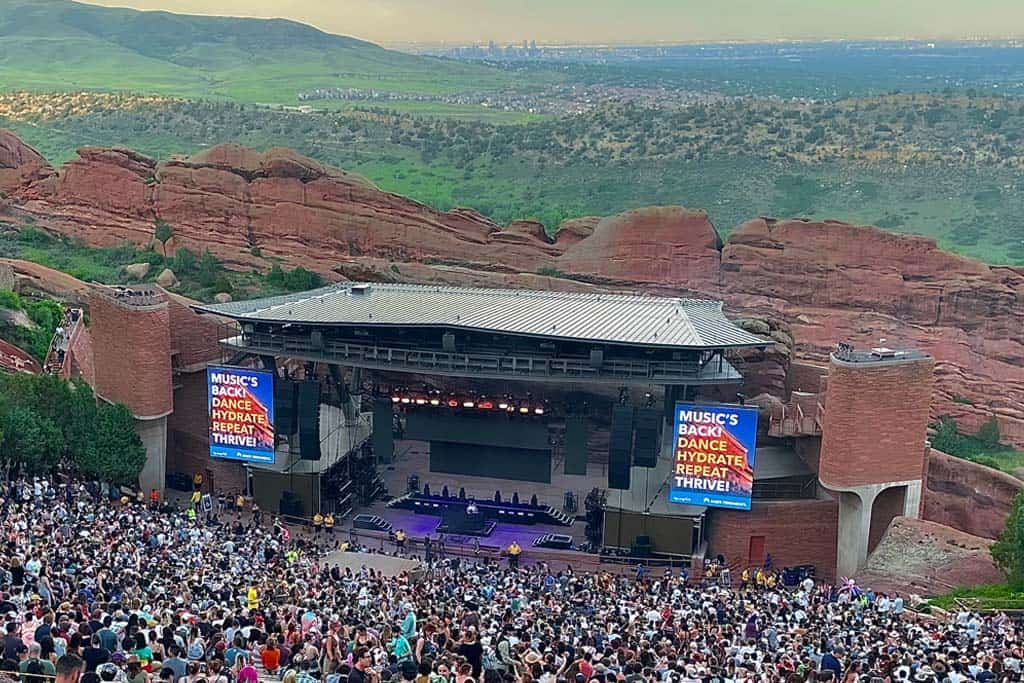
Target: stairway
point(559, 517)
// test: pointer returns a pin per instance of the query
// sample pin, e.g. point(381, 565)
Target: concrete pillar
point(153, 434)
point(854, 527)
point(912, 502)
point(856, 504)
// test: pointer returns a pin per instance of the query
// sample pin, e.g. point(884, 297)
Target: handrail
point(477, 362)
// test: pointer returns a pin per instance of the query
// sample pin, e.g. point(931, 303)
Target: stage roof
point(604, 318)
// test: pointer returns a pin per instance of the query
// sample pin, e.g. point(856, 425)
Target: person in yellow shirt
point(745, 579)
point(196, 497)
point(197, 481)
point(239, 503)
point(514, 551)
point(329, 524)
point(318, 523)
point(253, 598)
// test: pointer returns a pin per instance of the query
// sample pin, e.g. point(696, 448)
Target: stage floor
point(413, 457)
point(418, 526)
point(386, 564)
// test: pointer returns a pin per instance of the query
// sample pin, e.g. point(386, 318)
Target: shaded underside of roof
point(608, 318)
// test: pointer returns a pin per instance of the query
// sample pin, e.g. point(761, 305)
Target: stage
point(413, 458)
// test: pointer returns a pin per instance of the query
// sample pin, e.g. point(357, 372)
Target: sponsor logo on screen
point(241, 407)
point(714, 455)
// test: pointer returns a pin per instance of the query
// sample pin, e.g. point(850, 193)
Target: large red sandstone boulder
point(659, 245)
point(922, 557)
point(18, 161)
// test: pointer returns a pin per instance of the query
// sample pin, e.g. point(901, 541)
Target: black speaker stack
point(383, 430)
point(647, 443)
point(309, 420)
point(284, 407)
point(577, 429)
point(620, 446)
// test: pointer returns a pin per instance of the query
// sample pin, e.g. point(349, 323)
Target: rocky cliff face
point(18, 162)
point(815, 283)
point(968, 496)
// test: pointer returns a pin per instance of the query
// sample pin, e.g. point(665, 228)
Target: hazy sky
point(462, 21)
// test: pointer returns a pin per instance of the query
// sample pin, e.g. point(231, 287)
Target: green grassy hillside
point(64, 45)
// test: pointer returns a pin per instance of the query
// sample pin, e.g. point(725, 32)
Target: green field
point(63, 45)
point(990, 597)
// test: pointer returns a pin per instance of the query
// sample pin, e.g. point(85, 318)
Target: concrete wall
point(967, 496)
point(795, 532)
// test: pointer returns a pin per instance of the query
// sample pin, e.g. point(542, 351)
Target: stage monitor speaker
point(309, 420)
point(577, 432)
point(383, 424)
point(284, 407)
point(291, 505)
point(648, 437)
point(642, 547)
point(620, 445)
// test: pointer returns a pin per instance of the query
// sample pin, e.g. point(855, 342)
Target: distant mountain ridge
point(66, 45)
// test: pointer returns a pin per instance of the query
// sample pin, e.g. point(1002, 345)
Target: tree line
point(46, 420)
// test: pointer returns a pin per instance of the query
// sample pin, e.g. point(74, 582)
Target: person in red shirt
point(270, 655)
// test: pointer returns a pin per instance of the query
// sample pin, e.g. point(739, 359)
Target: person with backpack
point(35, 668)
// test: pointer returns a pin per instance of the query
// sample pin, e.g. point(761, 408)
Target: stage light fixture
point(486, 405)
point(452, 403)
point(421, 401)
point(525, 410)
point(406, 400)
point(468, 404)
point(538, 411)
point(435, 402)
point(395, 399)
point(503, 406)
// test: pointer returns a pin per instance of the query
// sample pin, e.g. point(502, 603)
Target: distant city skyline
point(393, 22)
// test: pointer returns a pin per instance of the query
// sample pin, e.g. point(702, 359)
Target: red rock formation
point(917, 556)
point(834, 282)
point(968, 496)
point(662, 246)
point(18, 162)
point(821, 282)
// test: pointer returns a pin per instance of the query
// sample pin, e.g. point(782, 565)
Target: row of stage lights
point(483, 404)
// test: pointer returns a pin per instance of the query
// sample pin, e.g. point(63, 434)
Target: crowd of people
point(97, 589)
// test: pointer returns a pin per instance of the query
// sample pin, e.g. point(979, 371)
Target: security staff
point(514, 551)
point(329, 524)
point(318, 523)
